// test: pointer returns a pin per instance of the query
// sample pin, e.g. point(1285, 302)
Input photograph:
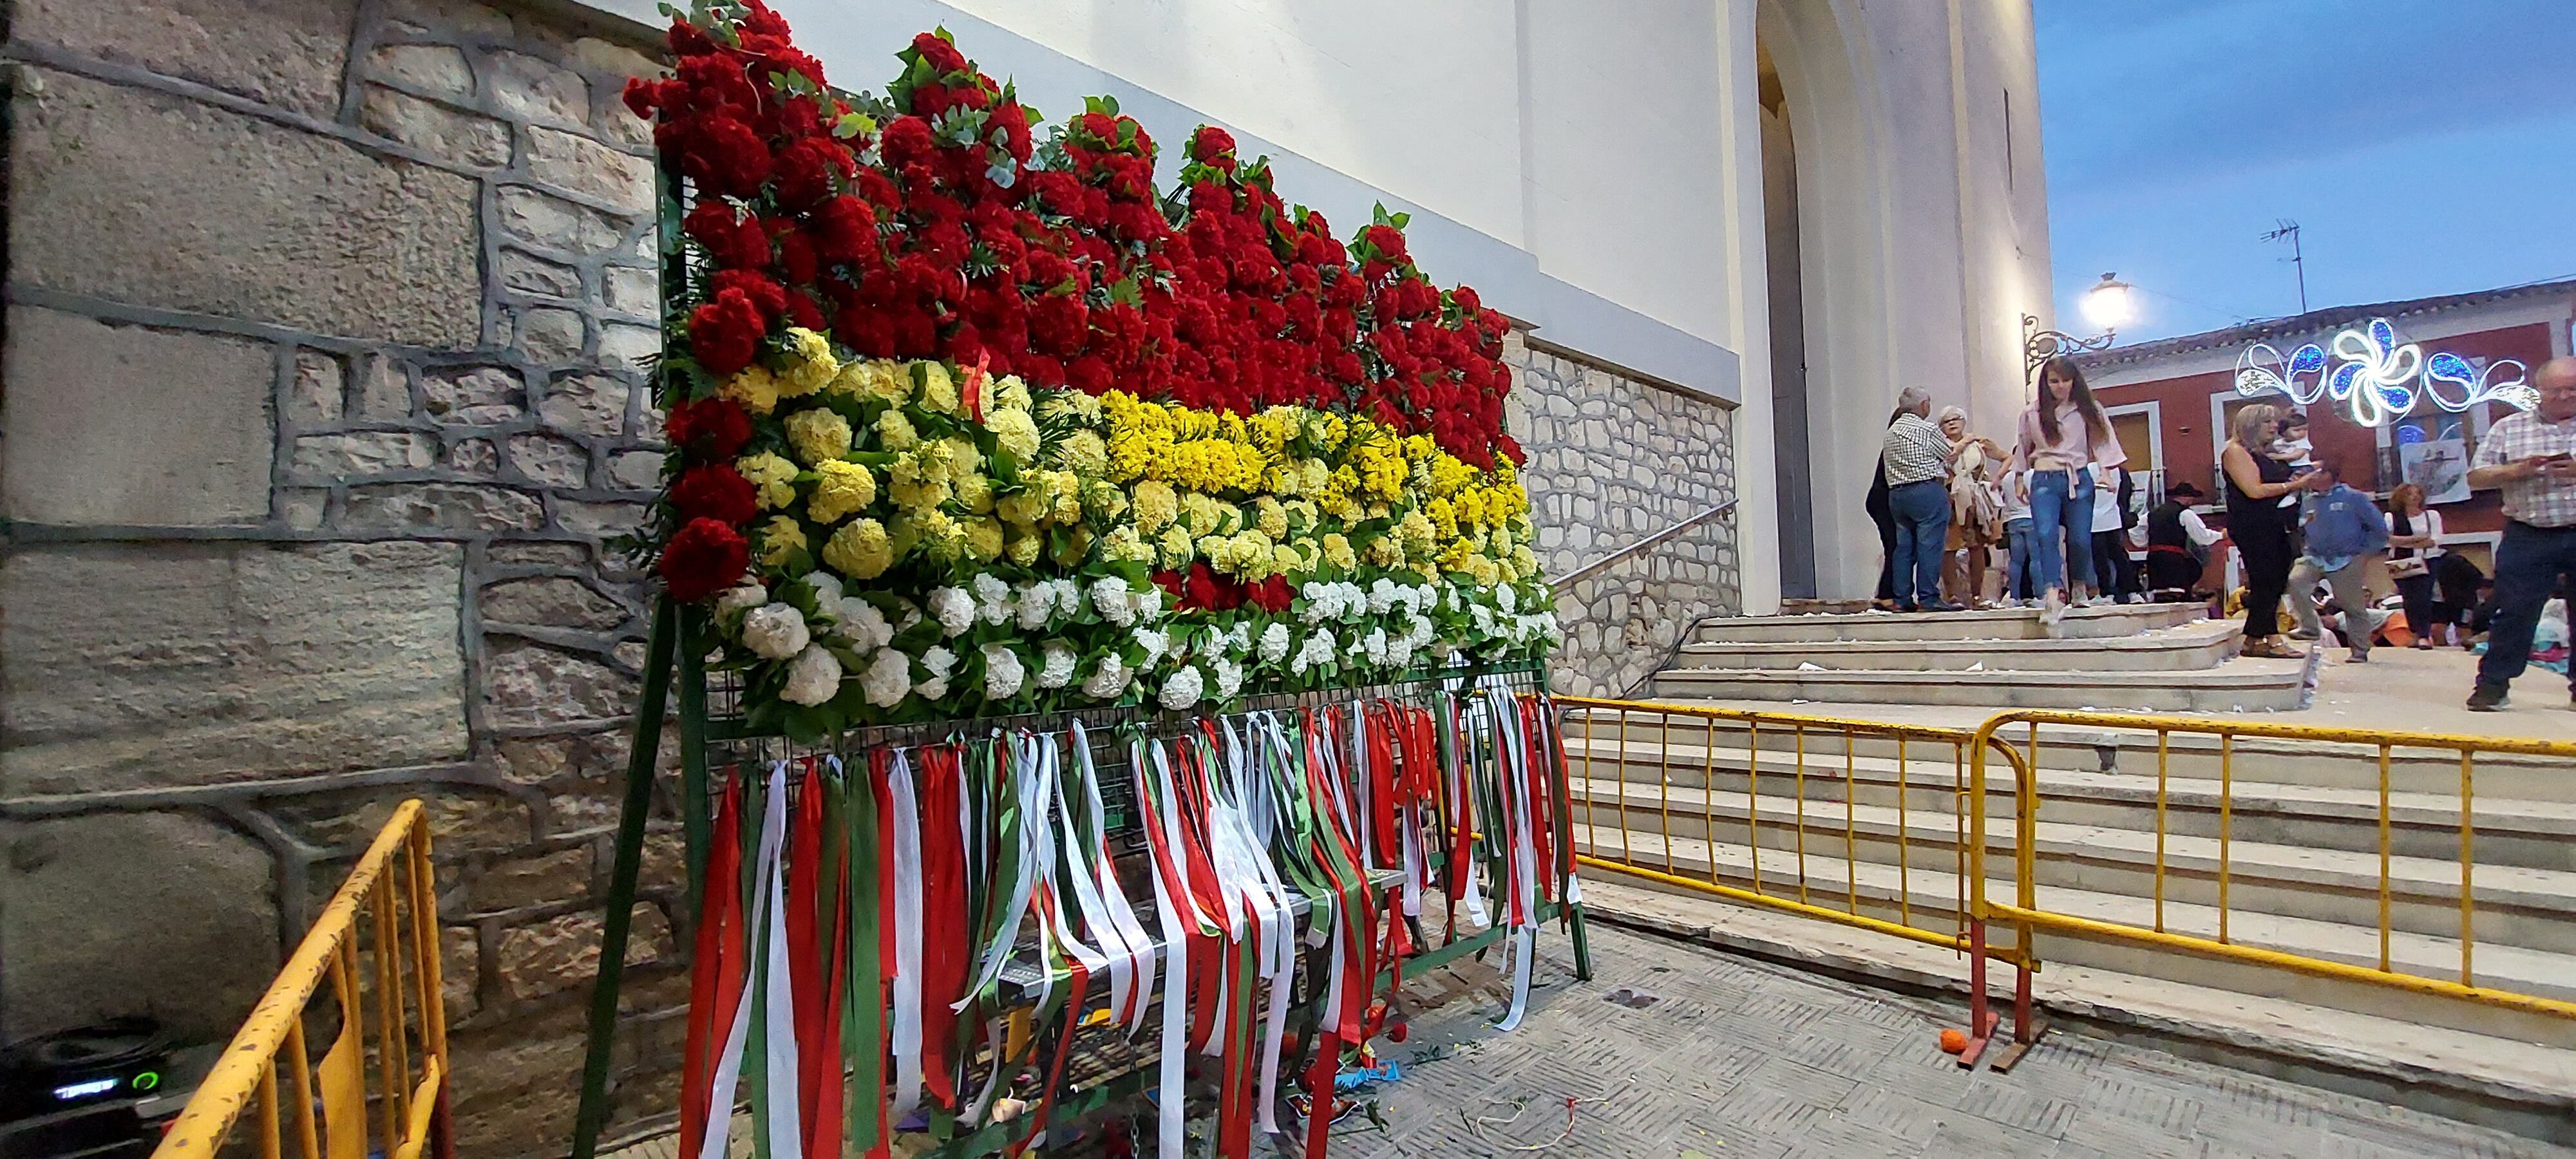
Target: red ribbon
point(946, 939)
point(716, 982)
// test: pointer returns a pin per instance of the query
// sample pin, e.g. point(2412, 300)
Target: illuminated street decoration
point(2378, 378)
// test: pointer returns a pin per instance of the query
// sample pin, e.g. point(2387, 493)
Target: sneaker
point(2360, 656)
point(2486, 699)
point(2133, 598)
point(2304, 635)
point(2423, 645)
point(2052, 607)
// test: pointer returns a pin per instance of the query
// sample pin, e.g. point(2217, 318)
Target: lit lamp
point(2106, 305)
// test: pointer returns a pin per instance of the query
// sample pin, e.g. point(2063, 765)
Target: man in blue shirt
point(2344, 529)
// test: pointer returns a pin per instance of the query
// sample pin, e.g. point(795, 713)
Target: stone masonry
point(323, 350)
point(1614, 459)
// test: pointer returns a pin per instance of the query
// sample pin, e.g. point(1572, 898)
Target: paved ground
point(1736, 1058)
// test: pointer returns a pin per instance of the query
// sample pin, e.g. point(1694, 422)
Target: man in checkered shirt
point(2531, 457)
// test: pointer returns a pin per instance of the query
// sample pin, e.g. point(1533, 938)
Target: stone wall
point(322, 355)
point(1614, 459)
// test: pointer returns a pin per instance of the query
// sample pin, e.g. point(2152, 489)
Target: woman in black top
point(2259, 525)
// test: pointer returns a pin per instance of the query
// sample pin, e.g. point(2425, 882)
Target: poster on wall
point(2439, 466)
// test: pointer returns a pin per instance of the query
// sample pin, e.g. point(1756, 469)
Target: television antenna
point(2288, 229)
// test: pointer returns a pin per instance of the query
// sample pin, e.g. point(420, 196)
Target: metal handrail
point(1579, 574)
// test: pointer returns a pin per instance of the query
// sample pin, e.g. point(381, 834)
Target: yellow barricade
point(385, 1018)
point(2026, 915)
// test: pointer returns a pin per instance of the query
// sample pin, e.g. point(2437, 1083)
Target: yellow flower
point(1284, 559)
point(1009, 393)
point(1443, 516)
point(810, 363)
point(1083, 453)
point(932, 532)
point(1200, 514)
point(1337, 551)
point(1123, 545)
point(1270, 517)
point(780, 538)
point(1313, 476)
point(841, 488)
point(818, 434)
point(975, 491)
point(1023, 509)
point(962, 457)
point(860, 550)
point(918, 481)
point(1385, 551)
point(754, 387)
point(1073, 404)
point(1104, 500)
point(1525, 560)
point(1023, 549)
point(1065, 488)
point(869, 378)
point(1416, 531)
point(772, 476)
point(894, 431)
point(938, 390)
point(1076, 547)
point(984, 539)
point(1178, 547)
point(1156, 506)
point(1014, 431)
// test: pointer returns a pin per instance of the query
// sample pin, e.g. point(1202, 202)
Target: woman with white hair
point(1917, 459)
point(1976, 522)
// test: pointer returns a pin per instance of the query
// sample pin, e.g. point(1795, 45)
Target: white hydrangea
point(1506, 597)
point(1418, 633)
point(1111, 598)
point(1034, 606)
point(1003, 672)
point(860, 623)
point(814, 678)
point(939, 662)
point(1229, 677)
point(1147, 604)
point(909, 614)
point(1184, 688)
point(1274, 642)
point(1055, 664)
point(1155, 642)
point(955, 609)
point(992, 598)
point(827, 588)
point(1108, 681)
point(888, 678)
point(776, 631)
point(741, 599)
point(1318, 649)
point(1375, 645)
point(1399, 653)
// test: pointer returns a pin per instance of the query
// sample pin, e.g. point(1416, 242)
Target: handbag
point(2408, 568)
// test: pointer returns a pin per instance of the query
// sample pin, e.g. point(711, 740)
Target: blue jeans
point(2062, 506)
point(2016, 577)
point(1922, 512)
point(2528, 564)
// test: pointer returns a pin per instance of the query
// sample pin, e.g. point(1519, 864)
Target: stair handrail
point(1585, 572)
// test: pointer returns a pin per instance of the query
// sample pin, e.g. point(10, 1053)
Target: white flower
point(1274, 642)
point(827, 588)
point(776, 631)
point(1148, 604)
point(992, 599)
point(887, 679)
point(1419, 634)
point(814, 678)
point(860, 623)
point(1317, 650)
point(1003, 672)
point(911, 614)
point(1506, 597)
point(955, 609)
point(1399, 653)
point(1109, 595)
point(940, 662)
point(1055, 664)
point(1155, 642)
point(1381, 596)
point(1184, 688)
point(1229, 677)
point(1035, 605)
point(1108, 680)
point(741, 599)
point(1320, 602)
point(1068, 596)
point(1375, 645)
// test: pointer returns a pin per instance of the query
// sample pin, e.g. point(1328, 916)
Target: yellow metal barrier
point(1809, 751)
point(2026, 915)
point(385, 1015)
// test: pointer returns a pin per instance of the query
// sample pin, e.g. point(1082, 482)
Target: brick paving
point(1737, 1058)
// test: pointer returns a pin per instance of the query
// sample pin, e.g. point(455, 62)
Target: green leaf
point(853, 124)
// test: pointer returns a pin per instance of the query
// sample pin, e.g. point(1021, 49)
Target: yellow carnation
point(1010, 393)
point(1072, 404)
point(984, 539)
point(938, 390)
point(1178, 547)
point(1104, 500)
point(1024, 549)
point(1156, 506)
point(962, 457)
point(817, 435)
point(1337, 551)
point(1082, 453)
point(780, 538)
point(1270, 517)
point(1024, 508)
point(894, 431)
point(916, 481)
point(932, 532)
point(1076, 547)
point(754, 387)
point(1014, 431)
point(841, 488)
point(860, 550)
point(1384, 551)
point(1284, 559)
point(975, 491)
point(773, 478)
point(810, 363)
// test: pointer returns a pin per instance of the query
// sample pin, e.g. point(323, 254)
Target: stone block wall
point(323, 348)
point(1613, 459)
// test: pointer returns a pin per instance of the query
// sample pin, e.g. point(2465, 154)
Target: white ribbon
point(1176, 1018)
point(728, 1077)
point(907, 935)
point(1122, 920)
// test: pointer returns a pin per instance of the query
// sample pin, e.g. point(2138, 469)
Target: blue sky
point(2425, 147)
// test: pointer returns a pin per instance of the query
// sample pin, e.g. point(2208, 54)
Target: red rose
point(806, 170)
point(1209, 143)
point(731, 157)
point(714, 491)
point(703, 559)
point(941, 54)
point(715, 428)
point(726, 333)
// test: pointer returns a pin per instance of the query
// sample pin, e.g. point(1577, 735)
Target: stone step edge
point(2184, 853)
point(2180, 638)
point(2233, 674)
point(2089, 995)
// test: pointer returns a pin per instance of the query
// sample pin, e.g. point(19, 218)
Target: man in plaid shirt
point(2531, 457)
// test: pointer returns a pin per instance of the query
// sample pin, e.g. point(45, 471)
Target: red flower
point(726, 333)
point(759, 287)
point(1387, 240)
point(730, 157)
point(703, 559)
point(845, 231)
point(1273, 595)
point(941, 54)
point(1210, 143)
point(714, 491)
point(715, 428)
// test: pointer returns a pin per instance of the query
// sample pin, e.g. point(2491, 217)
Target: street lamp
point(2106, 305)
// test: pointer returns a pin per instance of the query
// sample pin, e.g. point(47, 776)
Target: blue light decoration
point(2378, 378)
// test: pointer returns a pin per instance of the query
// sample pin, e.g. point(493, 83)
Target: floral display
point(967, 418)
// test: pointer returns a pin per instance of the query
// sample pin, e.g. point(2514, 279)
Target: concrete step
point(2504, 830)
point(2515, 905)
point(2238, 685)
point(2187, 647)
point(1998, 624)
point(1928, 898)
point(2321, 764)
